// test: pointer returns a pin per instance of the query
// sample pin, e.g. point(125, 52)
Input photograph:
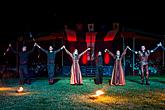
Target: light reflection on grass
point(62, 95)
point(12, 91)
point(6, 88)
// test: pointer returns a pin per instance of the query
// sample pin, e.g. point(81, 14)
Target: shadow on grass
point(156, 80)
point(134, 81)
point(56, 80)
point(98, 82)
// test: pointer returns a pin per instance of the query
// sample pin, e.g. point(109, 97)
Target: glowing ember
point(20, 89)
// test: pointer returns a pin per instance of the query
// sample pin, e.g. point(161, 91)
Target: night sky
point(50, 17)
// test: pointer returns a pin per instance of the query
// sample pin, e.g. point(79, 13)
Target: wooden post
point(133, 63)
point(123, 50)
point(62, 52)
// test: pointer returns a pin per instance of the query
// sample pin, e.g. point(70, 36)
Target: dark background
point(41, 18)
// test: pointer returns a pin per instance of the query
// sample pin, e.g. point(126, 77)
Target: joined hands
point(105, 50)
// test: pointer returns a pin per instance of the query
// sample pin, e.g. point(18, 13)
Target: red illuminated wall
point(110, 36)
point(91, 41)
point(71, 35)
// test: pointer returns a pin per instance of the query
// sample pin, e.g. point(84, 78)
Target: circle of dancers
point(117, 77)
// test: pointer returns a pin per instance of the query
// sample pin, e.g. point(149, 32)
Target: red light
point(91, 37)
point(84, 58)
point(106, 58)
point(71, 35)
point(110, 36)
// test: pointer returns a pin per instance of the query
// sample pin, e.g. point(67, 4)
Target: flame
point(20, 89)
point(99, 92)
point(96, 96)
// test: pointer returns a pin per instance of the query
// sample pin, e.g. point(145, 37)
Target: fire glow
point(20, 90)
point(98, 93)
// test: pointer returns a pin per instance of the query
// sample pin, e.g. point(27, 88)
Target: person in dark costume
point(24, 76)
point(51, 55)
point(99, 68)
point(143, 54)
point(160, 44)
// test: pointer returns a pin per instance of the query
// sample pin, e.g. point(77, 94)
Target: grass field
point(63, 96)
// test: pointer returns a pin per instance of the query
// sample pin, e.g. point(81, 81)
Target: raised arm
point(14, 51)
point(106, 50)
point(68, 52)
point(124, 52)
point(59, 50)
point(32, 48)
point(160, 45)
point(153, 50)
point(8, 48)
point(132, 50)
point(83, 52)
point(41, 48)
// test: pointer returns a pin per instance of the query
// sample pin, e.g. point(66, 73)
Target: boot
point(51, 82)
point(142, 80)
point(147, 81)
